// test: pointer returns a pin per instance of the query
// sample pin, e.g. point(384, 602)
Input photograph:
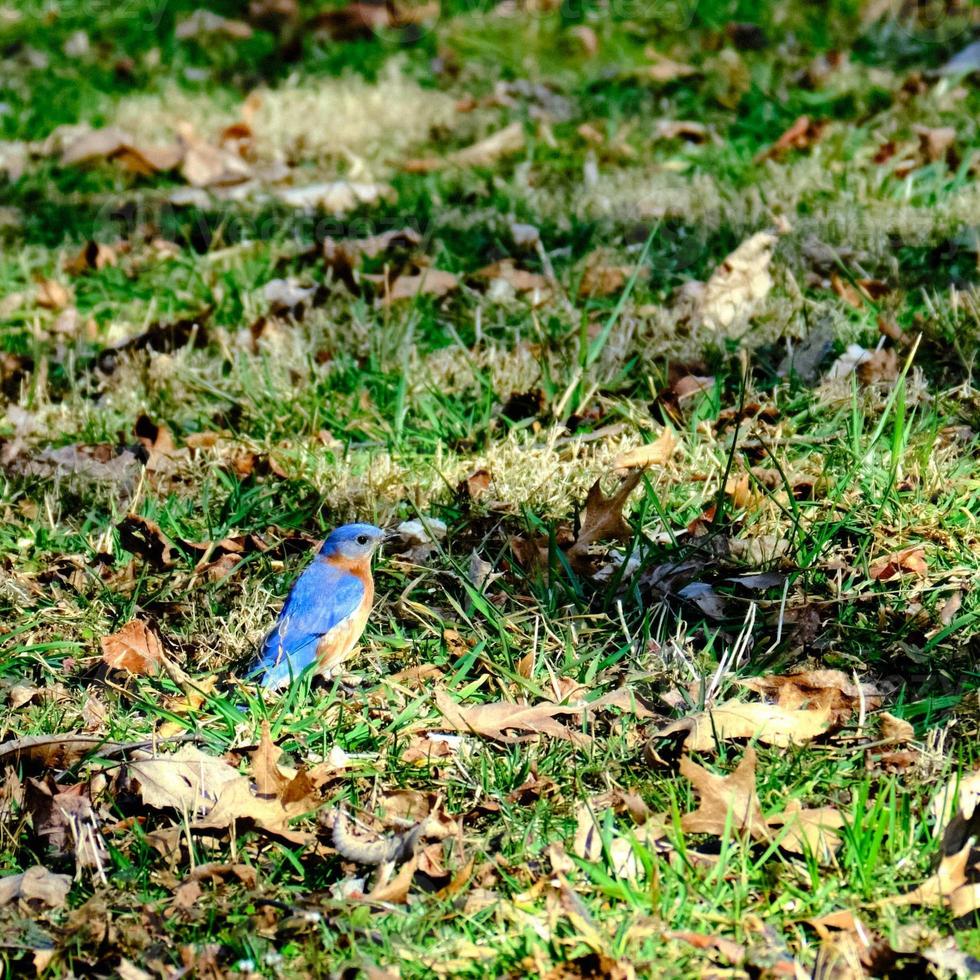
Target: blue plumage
point(328, 594)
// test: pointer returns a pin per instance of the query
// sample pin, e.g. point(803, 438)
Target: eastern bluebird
point(326, 609)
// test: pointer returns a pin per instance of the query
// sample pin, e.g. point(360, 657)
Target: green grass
point(352, 409)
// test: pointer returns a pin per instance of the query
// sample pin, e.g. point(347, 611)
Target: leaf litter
point(194, 792)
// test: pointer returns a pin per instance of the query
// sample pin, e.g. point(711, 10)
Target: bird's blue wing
point(322, 598)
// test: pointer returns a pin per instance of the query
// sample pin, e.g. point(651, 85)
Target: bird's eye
point(362, 539)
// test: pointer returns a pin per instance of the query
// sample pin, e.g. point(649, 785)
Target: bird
point(325, 612)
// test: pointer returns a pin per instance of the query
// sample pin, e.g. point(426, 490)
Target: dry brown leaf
point(35, 885)
point(663, 69)
point(950, 608)
point(725, 800)
point(656, 453)
point(820, 690)
point(935, 143)
point(940, 888)
point(52, 295)
point(396, 891)
point(486, 152)
point(65, 821)
point(238, 800)
point(135, 649)
point(496, 719)
point(115, 144)
point(859, 292)
point(588, 840)
point(94, 255)
point(202, 24)
point(336, 196)
point(769, 724)
point(189, 890)
point(808, 831)
point(895, 730)
point(684, 129)
point(429, 282)
point(626, 700)
point(732, 951)
point(269, 781)
point(475, 485)
point(801, 135)
point(736, 288)
point(145, 538)
point(189, 780)
point(881, 367)
point(602, 517)
point(205, 165)
point(910, 561)
point(740, 491)
point(600, 277)
point(38, 752)
point(504, 277)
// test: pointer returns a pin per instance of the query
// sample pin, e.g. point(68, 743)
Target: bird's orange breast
point(334, 647)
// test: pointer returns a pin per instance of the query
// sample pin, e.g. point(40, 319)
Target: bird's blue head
point(353, 542)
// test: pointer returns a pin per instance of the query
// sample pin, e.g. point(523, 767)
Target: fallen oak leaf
point(189, 890)
point(38, 752)
point(428, 282)
point(812, 831)
point(732, 951)
point(600, 277)
point(52, 295)
point(35, 885)
point(205, 165)
point(237, 800)
point(801, 135)
point(504, 279)
point(143, 537)
point(624, 699)
point(65, 821)
point(189, 780)
point(940, 888)
point(495, 719)
point(93, 256)
point(725, 800)
point(662, 69)
point(602, 516)
point(830, 690)
point(736, 288)
point(395, 892)
point(135, 648)
point(486, 152)
point(336, 197)
point(656, 453)
point(894, 730)
point(858, 292)
point(769, 724)
point(269, 780)
point(910, 561)
point(202, 24)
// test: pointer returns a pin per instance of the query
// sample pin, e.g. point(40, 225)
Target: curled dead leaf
point(895, 730)
point(428, 282)
point(135, 648)
point(656, 453)
point(725, 801)
point(818, 690)
point(502, 720)
point(910, 561)
point(769, 724)
point(737, 287)
point(602, 517)
point(35, 885)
